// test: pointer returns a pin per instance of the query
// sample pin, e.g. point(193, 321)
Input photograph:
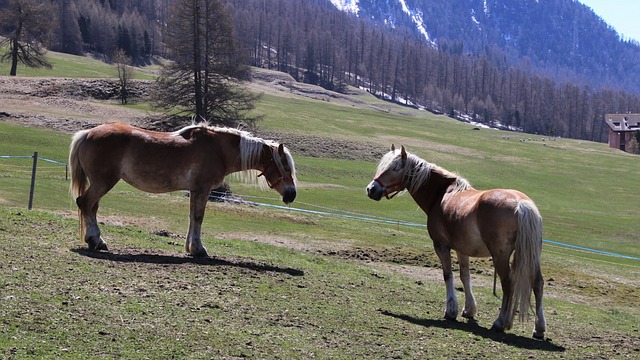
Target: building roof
point(623, 122)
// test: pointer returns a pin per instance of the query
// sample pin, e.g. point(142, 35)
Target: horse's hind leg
point(541, 325)
point(470, 307)
point(88, 204)
point(505, 318)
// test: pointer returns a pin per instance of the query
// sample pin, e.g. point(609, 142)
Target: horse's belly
point(152, 186)
point(477, 251)
point(470, 243)
point(155, 182)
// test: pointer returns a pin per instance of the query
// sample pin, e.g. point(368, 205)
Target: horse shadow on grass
point(177, 260)
point(473, 327)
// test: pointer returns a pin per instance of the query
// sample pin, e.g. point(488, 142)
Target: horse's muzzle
point(289, 195)
point(375, 191)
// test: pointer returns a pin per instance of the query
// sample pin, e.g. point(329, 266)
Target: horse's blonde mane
point(418, 170)
point(250, 151)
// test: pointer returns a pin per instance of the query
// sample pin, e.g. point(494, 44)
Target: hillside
point(563, 39)
point(284, 283)
point(68, 105)
point(545, 67)
point(531, 80)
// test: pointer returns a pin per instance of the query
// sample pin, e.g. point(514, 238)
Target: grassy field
point(288, 284)
point(71, 66)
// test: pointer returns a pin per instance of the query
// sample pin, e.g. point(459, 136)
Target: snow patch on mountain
point(347, 5)
point(416, 17)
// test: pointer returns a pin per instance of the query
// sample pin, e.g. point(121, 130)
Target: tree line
point(316, 43)
point(99, 27)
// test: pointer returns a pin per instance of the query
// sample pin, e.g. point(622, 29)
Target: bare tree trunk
point(197, 81)
point(14, 54)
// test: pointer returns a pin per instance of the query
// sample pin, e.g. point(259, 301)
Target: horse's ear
point(393, 147)
point(281, 150)
point(403, 153)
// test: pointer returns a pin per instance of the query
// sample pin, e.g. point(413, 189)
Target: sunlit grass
point(585, 191)
point(72, 66)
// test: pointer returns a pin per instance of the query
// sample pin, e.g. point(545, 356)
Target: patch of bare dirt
point(283, 84)
point(327, 147)
point(69, 105)
point(65, 105)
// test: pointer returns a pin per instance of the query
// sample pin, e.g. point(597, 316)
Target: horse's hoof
point(98, 245)
point(102, 247)
point(538, 335)
point(200, 254)
point(497, 329)
point(450, 317)
point(468, 315)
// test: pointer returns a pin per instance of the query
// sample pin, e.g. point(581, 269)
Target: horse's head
point(390, 175)
point(279, 171)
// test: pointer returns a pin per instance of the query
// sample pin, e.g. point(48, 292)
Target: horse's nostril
point(289, 196)
point(374, 192)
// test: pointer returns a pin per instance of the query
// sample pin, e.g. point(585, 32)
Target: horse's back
point(502, 199)
point(104, 145)
point(152, 161)
point(117, 140)
point(146, 159)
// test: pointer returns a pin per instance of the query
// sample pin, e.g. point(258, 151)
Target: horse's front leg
point(198, 203)
point(444, 253)
point(470, 309)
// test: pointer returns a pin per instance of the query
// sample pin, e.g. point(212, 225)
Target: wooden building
point(622, 128)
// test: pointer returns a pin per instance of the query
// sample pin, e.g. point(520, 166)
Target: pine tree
point(206, 65)
point(27, 24)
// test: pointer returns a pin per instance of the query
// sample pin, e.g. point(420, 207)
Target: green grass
point(585, 190)
point(309, 297)
point(71, 66)
point(249, 300)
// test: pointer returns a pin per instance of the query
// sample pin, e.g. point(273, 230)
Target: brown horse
point(495, 223)
point(196, 158)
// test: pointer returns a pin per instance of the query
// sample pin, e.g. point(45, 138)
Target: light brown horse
point(196, 158)
point(495, 223)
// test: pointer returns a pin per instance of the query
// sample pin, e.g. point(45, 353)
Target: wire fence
point(13, 166)
point(368, 218)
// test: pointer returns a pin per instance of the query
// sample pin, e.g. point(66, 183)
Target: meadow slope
point(282, 283)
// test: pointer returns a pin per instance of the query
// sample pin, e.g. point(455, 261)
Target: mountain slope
point(560, 38)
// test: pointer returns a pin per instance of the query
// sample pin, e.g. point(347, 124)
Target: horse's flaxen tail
point(78, 177)
point(526, 260)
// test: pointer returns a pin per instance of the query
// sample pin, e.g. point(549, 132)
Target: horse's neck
point(253, 153)
point(229, 148)
point(432, 191)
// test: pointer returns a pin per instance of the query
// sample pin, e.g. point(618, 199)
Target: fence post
point(33, 179)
